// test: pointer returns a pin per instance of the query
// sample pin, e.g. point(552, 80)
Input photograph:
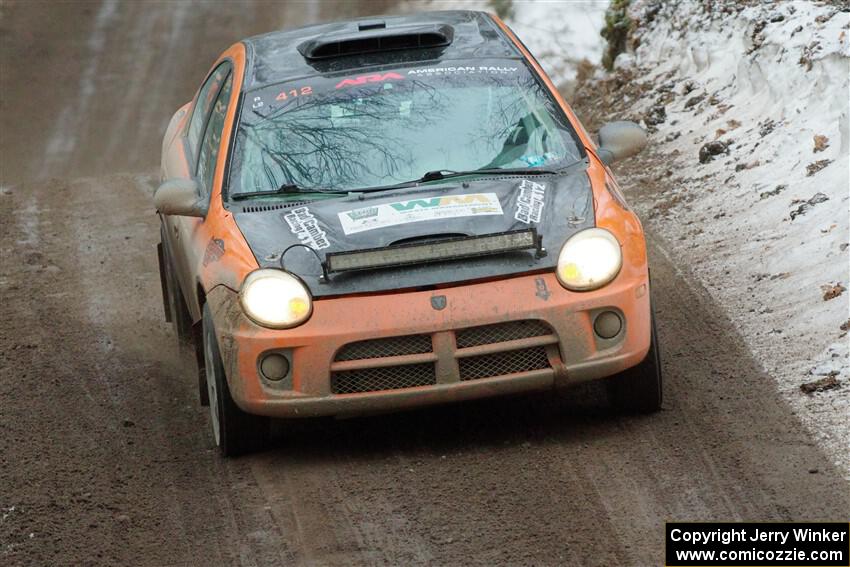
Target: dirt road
point(105, 456)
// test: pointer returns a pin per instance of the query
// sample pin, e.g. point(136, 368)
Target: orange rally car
point(385, 213)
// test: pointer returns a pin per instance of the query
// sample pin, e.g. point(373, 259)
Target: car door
point(201, 146)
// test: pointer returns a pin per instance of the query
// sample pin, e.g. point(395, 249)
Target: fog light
point(274, 366)
point(608, 325)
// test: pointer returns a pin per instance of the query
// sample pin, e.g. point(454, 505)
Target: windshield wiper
point(448, 173)
point(436, 175)
point(441, 174)
point(285, 189)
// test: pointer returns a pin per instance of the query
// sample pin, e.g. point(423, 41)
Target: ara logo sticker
point(373, 78)
point(416, 210)
point(529, 205)
point(304, 225)
point(214, 251)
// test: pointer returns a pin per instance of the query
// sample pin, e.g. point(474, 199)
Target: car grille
point(388, 378)
point(502, 363)
point(382, 348)
point(414, 373)
point(501, 332)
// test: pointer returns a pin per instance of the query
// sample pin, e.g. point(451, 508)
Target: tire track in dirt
point(102, 438)
point(63, 139)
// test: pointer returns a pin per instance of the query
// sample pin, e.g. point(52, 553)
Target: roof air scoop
point(374, 37)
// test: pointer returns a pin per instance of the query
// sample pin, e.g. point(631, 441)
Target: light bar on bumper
point(448, 249)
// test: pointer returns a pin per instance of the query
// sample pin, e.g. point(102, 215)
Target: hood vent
point(272, 207)
point(375, 39)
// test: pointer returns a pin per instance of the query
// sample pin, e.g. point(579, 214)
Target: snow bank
point(760, 96)
point(561, 34)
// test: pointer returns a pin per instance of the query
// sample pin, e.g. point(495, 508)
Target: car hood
point(558, 206)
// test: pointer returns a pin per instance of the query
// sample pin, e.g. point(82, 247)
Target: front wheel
point(639, 389)
point(235, 431)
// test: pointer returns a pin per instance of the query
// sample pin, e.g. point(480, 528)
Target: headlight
point(589, 260)
point(275, 299)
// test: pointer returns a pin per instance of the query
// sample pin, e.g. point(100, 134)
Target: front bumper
point(504, 352)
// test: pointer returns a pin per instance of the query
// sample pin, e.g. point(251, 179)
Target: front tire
point(640, 388)
point(234, 431)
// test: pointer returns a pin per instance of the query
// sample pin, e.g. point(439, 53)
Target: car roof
point(275, 57)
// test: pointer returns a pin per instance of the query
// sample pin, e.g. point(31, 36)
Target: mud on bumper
point(394, 351)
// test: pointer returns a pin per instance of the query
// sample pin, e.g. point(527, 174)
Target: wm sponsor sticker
point(417, 210)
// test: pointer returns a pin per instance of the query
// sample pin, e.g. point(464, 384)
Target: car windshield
point(388, 127)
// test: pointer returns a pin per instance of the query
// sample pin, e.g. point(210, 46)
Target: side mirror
point(619, 140)
point(180, 197)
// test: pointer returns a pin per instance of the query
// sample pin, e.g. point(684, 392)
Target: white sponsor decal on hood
point(304, 225)
point(529, 204)
point(415, 210)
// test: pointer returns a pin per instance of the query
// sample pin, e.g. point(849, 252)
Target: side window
point(204, 104)
point(212, 136)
